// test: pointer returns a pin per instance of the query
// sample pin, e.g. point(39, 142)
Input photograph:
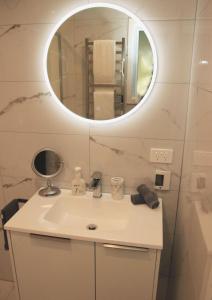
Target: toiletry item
point(117, 184)
point(149, 197)
point(142, 189)
point(78, 183)
point(137, 199)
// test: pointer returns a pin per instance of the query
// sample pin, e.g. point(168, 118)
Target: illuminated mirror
point(101, 63)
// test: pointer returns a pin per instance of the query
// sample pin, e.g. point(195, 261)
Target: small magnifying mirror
point(47, 163)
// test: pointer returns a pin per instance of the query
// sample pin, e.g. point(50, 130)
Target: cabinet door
point(124, 273)
point(50, 268)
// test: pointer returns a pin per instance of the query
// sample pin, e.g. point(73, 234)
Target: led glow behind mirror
point(100, 62)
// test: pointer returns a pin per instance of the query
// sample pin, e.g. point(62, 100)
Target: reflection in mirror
point(47, 163)
point(100, 63)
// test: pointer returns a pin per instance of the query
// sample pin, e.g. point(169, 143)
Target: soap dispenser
point(78, 183)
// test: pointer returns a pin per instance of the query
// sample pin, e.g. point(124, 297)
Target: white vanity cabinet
point(52, 268)
point(49, 268)
point(125, 273)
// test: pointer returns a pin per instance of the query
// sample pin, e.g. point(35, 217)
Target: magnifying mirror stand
point(49, 190)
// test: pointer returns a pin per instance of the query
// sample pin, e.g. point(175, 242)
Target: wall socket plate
point(164, 156)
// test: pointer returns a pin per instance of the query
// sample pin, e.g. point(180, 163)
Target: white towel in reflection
point(104, 103)
point(104, 61)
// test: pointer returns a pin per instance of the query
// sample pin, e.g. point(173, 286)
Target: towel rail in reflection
point(119, 86)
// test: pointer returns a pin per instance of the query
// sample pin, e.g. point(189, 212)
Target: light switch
point(162, 180)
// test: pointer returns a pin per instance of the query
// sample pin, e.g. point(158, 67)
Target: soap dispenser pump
point(78, 183)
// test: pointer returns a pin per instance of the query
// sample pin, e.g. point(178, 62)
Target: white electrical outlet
point(163, 156)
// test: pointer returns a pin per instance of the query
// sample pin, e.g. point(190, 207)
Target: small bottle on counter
point(117, 184)
point(78, 183)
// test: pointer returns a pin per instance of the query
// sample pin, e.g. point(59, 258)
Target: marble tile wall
point(31, 119)
point(6, 290)
point(197, 160)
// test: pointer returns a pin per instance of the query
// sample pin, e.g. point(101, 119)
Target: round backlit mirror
point(47, 163)
point(101, 62)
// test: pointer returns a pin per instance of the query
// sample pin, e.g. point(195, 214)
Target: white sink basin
point(80, 211)
point(65, 215)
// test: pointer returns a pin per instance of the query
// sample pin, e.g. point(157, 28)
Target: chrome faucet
point(96, 184)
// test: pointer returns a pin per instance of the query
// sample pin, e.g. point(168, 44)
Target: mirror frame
point(40, 174)
point(155, 61)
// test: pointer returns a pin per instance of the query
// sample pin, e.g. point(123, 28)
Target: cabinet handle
point(41, 236)
point(125, 247)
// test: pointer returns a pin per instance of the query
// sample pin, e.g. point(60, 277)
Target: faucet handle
point(96, 184)
point(97, 175)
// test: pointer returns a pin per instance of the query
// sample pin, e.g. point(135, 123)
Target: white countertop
point(118, 221)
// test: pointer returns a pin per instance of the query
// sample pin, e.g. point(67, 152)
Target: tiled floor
point(7, 291)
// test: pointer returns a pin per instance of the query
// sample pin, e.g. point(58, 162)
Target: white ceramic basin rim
point(80, 211)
